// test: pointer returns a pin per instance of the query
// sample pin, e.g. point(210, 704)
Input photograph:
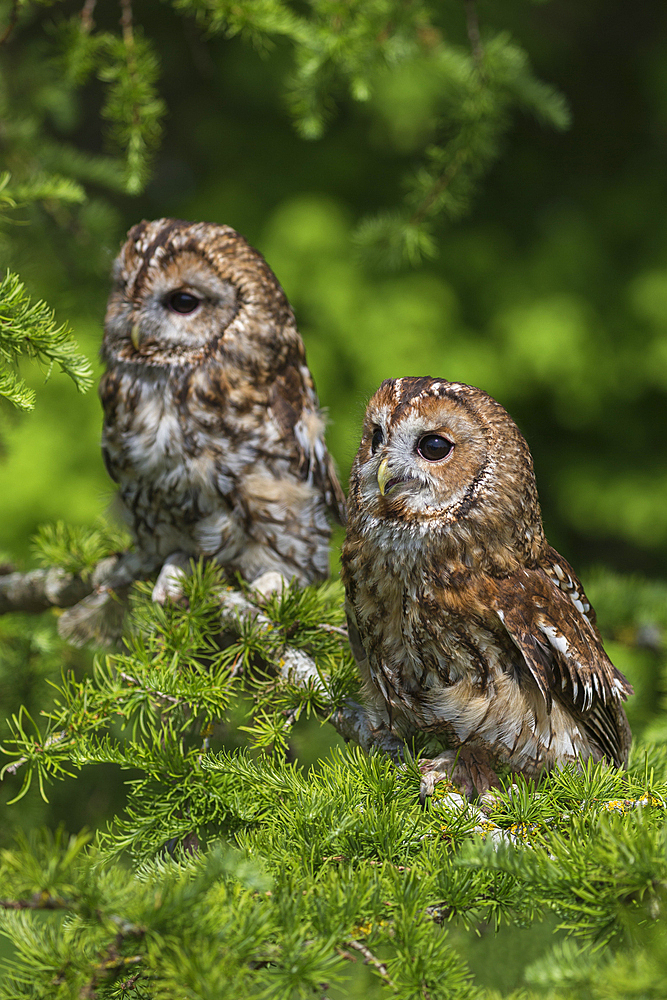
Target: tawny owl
point(212, 428)
point(464, 621)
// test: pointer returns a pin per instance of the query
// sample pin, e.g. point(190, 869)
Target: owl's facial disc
point(423, 464)
point(173, 308)
point(433, 447)
point(180, 302)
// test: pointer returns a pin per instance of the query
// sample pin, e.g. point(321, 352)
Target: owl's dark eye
point(433, 447)
point(182, 302)
point(376, 440)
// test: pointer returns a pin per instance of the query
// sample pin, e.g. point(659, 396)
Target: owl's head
point(181, 289)
point(445, 458)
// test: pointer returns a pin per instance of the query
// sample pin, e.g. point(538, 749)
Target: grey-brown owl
point(212, 428)
point(464, 621)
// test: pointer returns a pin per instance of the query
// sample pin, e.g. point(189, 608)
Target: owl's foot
point(490, 800)
point(269, 583)
point(169, 584)
point(98, 618)
point(468, 770)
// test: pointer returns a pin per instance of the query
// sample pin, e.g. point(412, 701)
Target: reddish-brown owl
point(212, 428)
point(464, 621)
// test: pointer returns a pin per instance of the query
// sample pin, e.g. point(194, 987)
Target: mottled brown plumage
point(464, 621)
point(212, 428)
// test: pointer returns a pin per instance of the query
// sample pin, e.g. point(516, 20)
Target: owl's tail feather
point(96, 620)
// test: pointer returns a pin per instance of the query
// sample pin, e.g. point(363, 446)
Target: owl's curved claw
point(469, 771)
point(271, 582)
point(429, 781)
point(169, 584)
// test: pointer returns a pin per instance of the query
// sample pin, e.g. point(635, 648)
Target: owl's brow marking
point(149, 250)
point(409, 390)
point(416, 388)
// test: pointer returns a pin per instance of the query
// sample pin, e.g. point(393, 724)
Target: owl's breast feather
point(147, 440)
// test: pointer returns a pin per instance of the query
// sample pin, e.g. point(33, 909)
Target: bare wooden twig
point(126, 21)
point(153, 692)
point(40, 901)
point(87, 11)
point(335, 629)
point(41, 589)
point(370, 959)
point(54, 738)
point(473, 32)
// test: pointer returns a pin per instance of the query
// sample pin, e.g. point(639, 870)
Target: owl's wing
point(354, 639)
point(294, 405)
point(563, 651)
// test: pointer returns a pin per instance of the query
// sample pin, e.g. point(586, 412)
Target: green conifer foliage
point(233, 872)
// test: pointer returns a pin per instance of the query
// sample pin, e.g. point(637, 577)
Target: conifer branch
point(49, 742)
point(28, 327)
point(41, 589)
point(439, 186)
point(154, 693)
point(40, 901)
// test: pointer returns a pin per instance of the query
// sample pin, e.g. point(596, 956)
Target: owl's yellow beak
point(135, 335)
point(384, 474)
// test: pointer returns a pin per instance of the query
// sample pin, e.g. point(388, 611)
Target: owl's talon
point(464, 768)
point(269, 583)
point(428, 783)
point(169, 584)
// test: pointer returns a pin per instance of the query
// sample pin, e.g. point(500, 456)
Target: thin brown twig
point(472, 23)
point(126, 21)
point(446, 179)
point(440, 185)
point(13, 18)
point(52, 739)
point(153, 692)
point(334, 628)
point(112, 964)
point(111, 960)
point(370, 959)
point(87, 11)
point(40, 901)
